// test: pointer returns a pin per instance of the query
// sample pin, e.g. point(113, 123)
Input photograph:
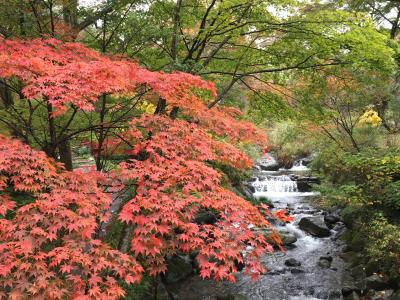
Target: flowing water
point(310, 280)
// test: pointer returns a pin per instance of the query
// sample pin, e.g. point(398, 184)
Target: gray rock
point(296, 271)
point(230, 297)
point(377, 283)
point(268, 164)
point(314, 226)
point(395, 295)
point(331, 220)
point(286, 237)
point(328, 258)
point(325, 262)
point(353, 281)
point(291, 262)
point(352, 296)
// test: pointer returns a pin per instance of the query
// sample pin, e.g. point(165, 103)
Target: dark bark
point(5, 94)
point(64, 149)
point(102, 135)
point(51, 147)
point(161, 106)
point(70, 13)
point(125, 242)
point(176, 21)
point(174, 112)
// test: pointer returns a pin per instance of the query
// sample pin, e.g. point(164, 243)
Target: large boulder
point(314, 226)
point(247, 189)
point(331, 220)
point(287, 237)
point(304, 183)
point(268, 164)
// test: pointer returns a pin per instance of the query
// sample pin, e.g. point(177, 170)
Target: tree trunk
point(174, 113)
point(70, 13)
point(5, 94)
point(64, 148)
point(51, 148)
point(161, 106)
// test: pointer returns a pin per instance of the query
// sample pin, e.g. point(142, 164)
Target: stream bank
point(316, 263)
point(311, 266)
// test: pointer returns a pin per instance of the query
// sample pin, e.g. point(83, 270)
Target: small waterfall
point(276, 184)
point(299, 166)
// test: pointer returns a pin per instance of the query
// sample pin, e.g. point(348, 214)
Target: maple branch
point(96, 16)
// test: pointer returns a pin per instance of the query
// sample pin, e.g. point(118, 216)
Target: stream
point(310, 267)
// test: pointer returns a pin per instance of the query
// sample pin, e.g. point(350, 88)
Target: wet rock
point(303, 186)
point(276, 272)
point(376, 282)
point(328, 258)
point(296, 271)
point(382, 295)
point(304, 183)
point(268, 164)
point(314, 226)
point(325, 262)
point(179, 268)
point(292, 262)
point(247, 189)
point(352, 296)
point(286, 164)
point(310, 291)
point(303, 207)
point(250, 187)
point(229, 297)
point(337, 294)
point(286, 237)
point(395, 296)
point(331, 220)
point(379, 295)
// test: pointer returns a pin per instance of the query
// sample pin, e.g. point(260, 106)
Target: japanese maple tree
point(50, 246)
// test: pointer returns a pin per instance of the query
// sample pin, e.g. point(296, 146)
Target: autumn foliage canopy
point(49, 242)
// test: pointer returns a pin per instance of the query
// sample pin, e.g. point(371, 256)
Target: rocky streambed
point(315, 263)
